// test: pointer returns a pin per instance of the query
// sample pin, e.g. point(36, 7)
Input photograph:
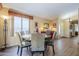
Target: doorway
point(74, 28)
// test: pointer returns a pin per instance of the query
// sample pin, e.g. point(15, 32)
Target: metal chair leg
point(21, 51)
point(53, 49)
point(43, 53)
point(27, 48)
point(32, 53)
point(18, 50)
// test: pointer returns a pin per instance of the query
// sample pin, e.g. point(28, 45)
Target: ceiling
point(44, 10)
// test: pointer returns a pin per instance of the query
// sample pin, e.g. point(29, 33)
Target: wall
point(3, 12)
point(11, 41)
point(66, 30)
point(40, 22)
point(65, 25)
point(78, 20)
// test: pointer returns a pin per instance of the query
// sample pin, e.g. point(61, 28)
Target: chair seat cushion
point(48, 41)
point(26, 44)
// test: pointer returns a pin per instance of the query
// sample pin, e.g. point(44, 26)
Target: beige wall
point(11, 41)
point(3, 12)
point(40, 22)
point(65, 25)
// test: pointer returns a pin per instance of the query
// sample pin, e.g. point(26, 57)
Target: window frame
point(22, 24)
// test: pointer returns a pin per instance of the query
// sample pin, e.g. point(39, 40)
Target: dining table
point(48, 41)
point(26, 37)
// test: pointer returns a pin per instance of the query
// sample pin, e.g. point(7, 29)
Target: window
point(25, 25)
point(17, 24)
point(21, 24)
point(76, 27)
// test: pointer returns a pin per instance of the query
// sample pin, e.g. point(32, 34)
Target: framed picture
point(36, 24)
point(54, 25)
point(46, 25)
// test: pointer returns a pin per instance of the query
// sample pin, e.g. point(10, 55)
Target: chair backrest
point(22, 33)
point(18, 36)
point(48, 32)
point(37, 41)
point(54, 35)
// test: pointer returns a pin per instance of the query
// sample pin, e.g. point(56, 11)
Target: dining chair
point(54, 35)
point(50, 42)
point(22, 33)
point(22, 44)
point(37, 43)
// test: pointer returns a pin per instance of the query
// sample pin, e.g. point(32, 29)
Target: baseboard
point(11, 46)
point(3, 48)
point(64, 37)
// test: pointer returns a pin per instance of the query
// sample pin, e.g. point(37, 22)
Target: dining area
point(27, 34)
point(35, 43)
